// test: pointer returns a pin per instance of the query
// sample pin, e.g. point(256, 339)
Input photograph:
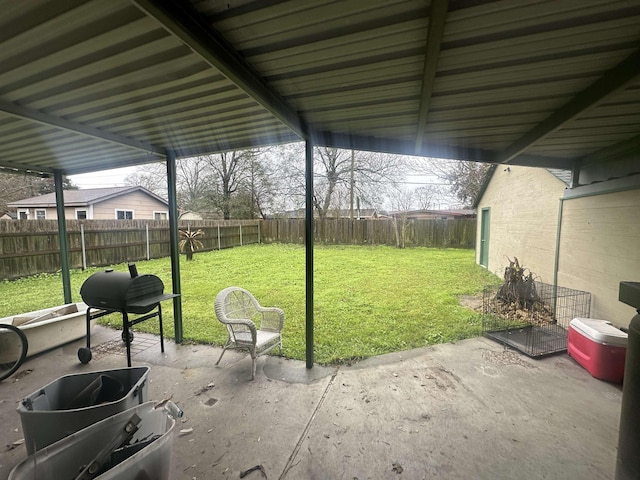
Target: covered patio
point(457, 411)
point(92, 85)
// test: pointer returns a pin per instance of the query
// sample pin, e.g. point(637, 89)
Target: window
point(81, 214)
point(124, 214)
point(41, 214)
point(23, 214)
point(160, 215)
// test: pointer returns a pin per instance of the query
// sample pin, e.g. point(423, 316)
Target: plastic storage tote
point(106, 450)
point(73, 402)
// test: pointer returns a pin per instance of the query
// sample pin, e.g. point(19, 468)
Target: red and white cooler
point(598, 346)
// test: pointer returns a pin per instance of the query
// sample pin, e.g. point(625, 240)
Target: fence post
point(147, 230)
point(218, 236)
point(258, 232)
point(84, 249)
point(240, 234)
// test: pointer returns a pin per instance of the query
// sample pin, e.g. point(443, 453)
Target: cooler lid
point(601, 331)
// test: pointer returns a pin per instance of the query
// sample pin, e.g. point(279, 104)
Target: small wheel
point(84, 355)
point(124, 338)
point(13, 349)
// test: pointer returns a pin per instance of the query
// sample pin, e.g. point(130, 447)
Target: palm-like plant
point(190, 242)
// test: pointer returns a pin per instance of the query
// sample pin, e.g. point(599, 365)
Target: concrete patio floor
point(469, 410)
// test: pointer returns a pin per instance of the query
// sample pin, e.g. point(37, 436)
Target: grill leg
point(161, 333)
point(88, 318)
point(127, 341)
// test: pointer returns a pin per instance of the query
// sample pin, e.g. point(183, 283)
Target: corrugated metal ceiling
point(90, 85)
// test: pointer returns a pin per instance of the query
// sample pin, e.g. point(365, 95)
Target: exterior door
point(484, 237)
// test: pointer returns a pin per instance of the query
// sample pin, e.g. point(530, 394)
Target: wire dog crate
point(536, 324)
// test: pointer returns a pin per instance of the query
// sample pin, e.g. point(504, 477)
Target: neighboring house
point(436, 214)
point(189, 215)
point(120, 203)
point(363, 213)
point(8, 216)
point(585, 238)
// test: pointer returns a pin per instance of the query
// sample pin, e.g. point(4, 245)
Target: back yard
point(368, 300)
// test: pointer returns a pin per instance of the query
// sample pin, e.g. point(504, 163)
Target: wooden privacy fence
point(455, 233)
point(29, 247)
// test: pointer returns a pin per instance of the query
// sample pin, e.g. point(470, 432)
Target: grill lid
point(123, 292)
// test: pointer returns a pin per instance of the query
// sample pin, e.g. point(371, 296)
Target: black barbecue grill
point(109, 292)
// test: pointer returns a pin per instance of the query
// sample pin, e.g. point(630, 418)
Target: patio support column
point(628, 461)
point(308, 244)
point(62, 236)
point(173, 244)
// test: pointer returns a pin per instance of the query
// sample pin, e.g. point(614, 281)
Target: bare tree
point(236, 183)
point(228, 176)
point(152, 176)
point(464, 179)
point(194, 181)
point(335, 164)
point(425, 196)
point(17, 186)
point(287, 168)
point(236, 175)
point(401, 201)
point(261, 187)
point(339, 175)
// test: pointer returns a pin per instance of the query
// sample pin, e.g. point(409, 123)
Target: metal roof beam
point(20, 168)
point(437, 19)
point(388, 145)
point(85, 130)
point(181, 21)
point(544, 162)
point(619, 150)
point(613, 80)
point(399, 147)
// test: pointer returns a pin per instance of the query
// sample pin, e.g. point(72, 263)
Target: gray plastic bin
point(67, 457)
point(73, 402)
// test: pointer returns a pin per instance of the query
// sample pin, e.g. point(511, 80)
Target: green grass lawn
point(368, 300)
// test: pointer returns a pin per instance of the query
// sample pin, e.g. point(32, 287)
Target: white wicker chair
point(240, 312)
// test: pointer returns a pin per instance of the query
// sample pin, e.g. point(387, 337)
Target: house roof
point(92, 85)
point(563, 175)
point(80, 198)
point(466, 212)
point(345, 213)
point(463, 212)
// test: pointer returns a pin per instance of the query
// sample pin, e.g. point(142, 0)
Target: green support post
point(308, 243)
point(173, 245)
point(62, 236)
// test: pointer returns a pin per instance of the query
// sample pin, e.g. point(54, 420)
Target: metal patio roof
point(92, 85)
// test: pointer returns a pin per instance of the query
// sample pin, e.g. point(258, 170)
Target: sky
point(117, 178)
point(106, 178)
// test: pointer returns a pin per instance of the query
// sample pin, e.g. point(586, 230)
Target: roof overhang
point(90, 85)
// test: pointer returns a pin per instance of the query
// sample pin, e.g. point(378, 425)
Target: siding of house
point(52, 213)
point(524, 203)
point(143, 206)
point(599, 248)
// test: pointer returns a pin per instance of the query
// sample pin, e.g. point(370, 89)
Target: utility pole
point(353, 162)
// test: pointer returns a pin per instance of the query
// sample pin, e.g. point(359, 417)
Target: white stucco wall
point(524, 204)
point(599, 242)
point(142, 205)
point(599, 248)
